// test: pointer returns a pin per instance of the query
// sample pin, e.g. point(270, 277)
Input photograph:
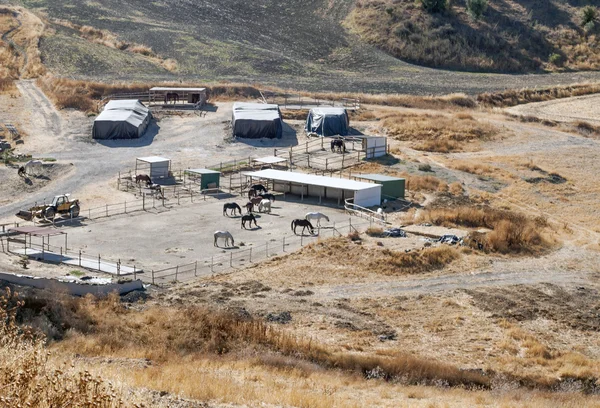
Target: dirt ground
point(532, 315)
point(585, 108)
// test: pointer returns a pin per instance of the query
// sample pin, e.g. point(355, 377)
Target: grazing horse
point(172, 96)
point(248, 218)
point(258, 187)
point(21, 171)
point(264, 206)
point(226, 235)
point(249, 207)
point(316, 216)
point(270, 197)
point(143, 177)
point(304, 224)
point(252, 193)
point(339, 145)
point(233, 207)
point(256, 201)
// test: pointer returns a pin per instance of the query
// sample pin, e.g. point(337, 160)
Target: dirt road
point(191, 140)
point(584, 108)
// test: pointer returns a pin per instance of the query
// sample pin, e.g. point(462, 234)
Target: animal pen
point(180, 97)
point(154, 166)
point(363, 194)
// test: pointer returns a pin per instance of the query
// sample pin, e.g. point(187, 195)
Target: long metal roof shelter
point(365, 194)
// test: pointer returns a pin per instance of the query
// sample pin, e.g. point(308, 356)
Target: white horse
point(264, 206)
point(224, 235)
point(316, 216)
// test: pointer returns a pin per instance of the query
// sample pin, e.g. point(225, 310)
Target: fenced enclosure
point(296, 101)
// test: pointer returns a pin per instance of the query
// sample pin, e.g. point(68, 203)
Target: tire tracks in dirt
point(44, 116)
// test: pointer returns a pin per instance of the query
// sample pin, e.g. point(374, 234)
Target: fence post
point(153, 276)
point(80, 257)
point(196, 268)
point(302, 239)
point(118, 267)
point(326, 163)
point(349, 225)
point(125, 206)
point(176, 272)
point(283, 244)
point(144, 202)
point(134, 274)
point(98, 261)
point(250, 255)
point(231, 259)
point(107, 210)
point(212, 262)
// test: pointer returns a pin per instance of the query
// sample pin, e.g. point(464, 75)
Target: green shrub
point(476, 8)
point(434, 6)
point(588, 15)
point(555, 59)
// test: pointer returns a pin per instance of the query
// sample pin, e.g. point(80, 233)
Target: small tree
point(434, 6)
point(476, 8)
point(589, 14)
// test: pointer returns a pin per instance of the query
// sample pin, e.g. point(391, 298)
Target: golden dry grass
point(515, 97)
point(29, 379)
point(414, 182)
point(510, 232)
point(437, 133)
point(426, 260)
point(473, 168)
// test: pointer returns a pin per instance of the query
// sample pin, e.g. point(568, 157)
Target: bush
point(588, 15)
point(555, 59)
point(434, 6)
point(425, 167)
point(476, 8)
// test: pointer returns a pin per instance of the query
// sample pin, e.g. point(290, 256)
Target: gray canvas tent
point(327, 122)
point(256, 120)
point(122, 119)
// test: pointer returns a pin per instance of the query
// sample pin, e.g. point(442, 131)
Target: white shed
point(364, 194)
point(154, 166)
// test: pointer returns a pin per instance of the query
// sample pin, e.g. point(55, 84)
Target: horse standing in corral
point(339, 145)
point(264, 206)
point(252, 193)
point(266, 196)
point(226, 235)
point(143, 177)
point(256, 201)
point(258, 188)
point(316, 216)
point(250, 219)
point(172, 96)
point(249, 207)
point(304, 224)
point(233, 207)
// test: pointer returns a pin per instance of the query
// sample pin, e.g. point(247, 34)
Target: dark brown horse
point(172, 96)
point(252, 193)
point(339, 145)
point(304, 224)
point(269, 197)
point(143, 177)
point(233, 207)
point(250, 219)
point(259, 188)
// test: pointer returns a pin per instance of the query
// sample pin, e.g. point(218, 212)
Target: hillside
point(511, 36)
point(296, 45)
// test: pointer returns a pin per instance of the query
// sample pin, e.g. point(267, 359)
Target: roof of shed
point(322, 181)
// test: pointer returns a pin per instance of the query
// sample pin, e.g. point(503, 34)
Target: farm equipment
point(61, 204)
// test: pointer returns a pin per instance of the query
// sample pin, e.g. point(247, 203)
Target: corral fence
point(297, 101)
point(243, 256)
point(316, 154)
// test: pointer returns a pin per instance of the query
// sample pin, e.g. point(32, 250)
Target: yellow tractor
point(61, 204)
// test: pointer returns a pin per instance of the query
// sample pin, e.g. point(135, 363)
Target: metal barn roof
point(270, 160)
point(322, 181)
point(166, 89)
point(378, 177)
point(153, 159)
point(203, 171)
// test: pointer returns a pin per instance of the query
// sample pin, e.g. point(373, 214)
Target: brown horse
point(252, 193)
point(256, 201)
point(250, 219)
point(143, 177)
point(172, 96)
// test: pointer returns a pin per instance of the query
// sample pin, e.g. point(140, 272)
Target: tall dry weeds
point(29, 379)
point(513, 97)
point(510, 232)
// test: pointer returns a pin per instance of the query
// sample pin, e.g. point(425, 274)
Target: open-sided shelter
point(154, 166)
point(328, 122)
point(363, 194)
point(256, 120)
point(122, 119)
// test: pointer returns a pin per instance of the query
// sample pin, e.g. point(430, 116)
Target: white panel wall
point(369, 197)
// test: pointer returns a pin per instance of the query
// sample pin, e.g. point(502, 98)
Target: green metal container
point(391, 187)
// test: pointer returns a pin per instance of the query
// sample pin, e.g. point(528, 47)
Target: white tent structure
point(364, 194)
point(122, 119)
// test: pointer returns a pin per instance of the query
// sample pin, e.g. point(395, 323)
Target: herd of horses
point(260, 198)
